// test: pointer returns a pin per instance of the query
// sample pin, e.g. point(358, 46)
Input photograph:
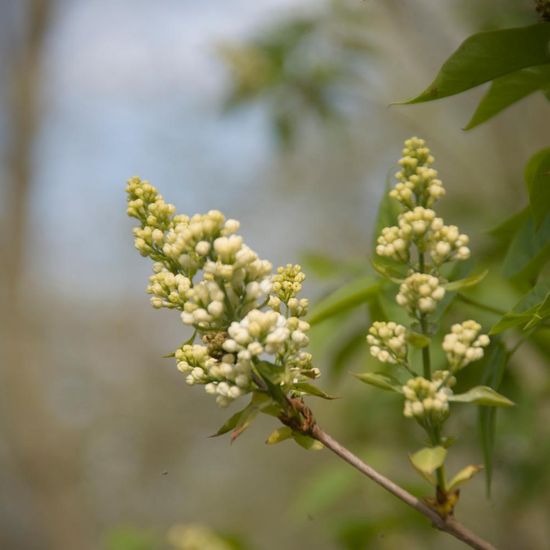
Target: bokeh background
point(277, 113)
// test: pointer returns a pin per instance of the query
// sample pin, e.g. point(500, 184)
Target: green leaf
point(428, 459)
point(537, 178)
point(270, 372)
point(532, 309)
point(505, 231)
point(418, 340)
point(494, 365)
point(229, 424)
point(310, 389)
point(380, 380)
point(529, 250)
point(280, 434)
point(130, 538)
point(351, 344)
point(466, 282)
point(508, 89)
point(482, 395)
point(245, 420)
point(345, 298)
point(464, 475)
point(388, 271)
point(488, 55)
point(307, 442)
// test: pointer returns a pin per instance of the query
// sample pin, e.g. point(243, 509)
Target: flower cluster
point(417, 190)
point(464, 344)
point(388, 342)
point(417, 181)
point(419, 293)
point(287, 283)
point(204, 269)
point(427, 400)
point(444, 243)
point(421, 242)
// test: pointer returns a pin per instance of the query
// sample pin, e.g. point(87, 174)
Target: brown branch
point(449, 524)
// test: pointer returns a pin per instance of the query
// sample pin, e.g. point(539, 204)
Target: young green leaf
point(464, 475)
point(418, 340)
point(488, 55)
point(532, 309)
point(466, 282)
point(345, 298)
point(351, 344)
point(428, 459)
point(482, 395)
point(380, 380)
point(494, 365)
point(529, 250)
point(307, 442)
point(388, 271)
point(280, 434)
point(230, 423)
point(245, 420)
point(508, 89)
point(310, 389)
point(537, 178)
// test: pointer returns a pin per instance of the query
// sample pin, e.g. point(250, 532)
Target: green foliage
point(131, 538)
point(464, 475)
point(428, 459)
point(531, 310)
point(482, 395)
point(380, 380)
point(508, 89)
point(486, 56)
point(494, 366)
point(472, 280)
point(345, 298)
point(537, 178)
point(281, 68)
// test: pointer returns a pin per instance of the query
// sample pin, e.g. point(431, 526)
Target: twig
point(449, 524)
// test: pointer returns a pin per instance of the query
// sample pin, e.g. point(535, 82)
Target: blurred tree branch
point(45, 453)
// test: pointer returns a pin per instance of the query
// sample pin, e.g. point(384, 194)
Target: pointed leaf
point(229, 424)
point(380, 380)
point(537, 178)
point(494, 364)
point(482, 395)
point(280, 434)
point(508, 89)
point(533, 308)
point(307, 442)
point(245, 420)
point(428, 459)
point(418, 340)
point(351, 344)
point(345, 298)
point(466, 282)
point(529, 250)
point(388, 271)
point(488, 55)
point(310, 389)
point(464, 475)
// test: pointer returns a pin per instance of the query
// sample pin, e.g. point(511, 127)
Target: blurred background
point(277, 113)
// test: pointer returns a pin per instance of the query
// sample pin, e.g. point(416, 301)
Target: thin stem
point(426, 361)
point(449, 524)
point(479, 305)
